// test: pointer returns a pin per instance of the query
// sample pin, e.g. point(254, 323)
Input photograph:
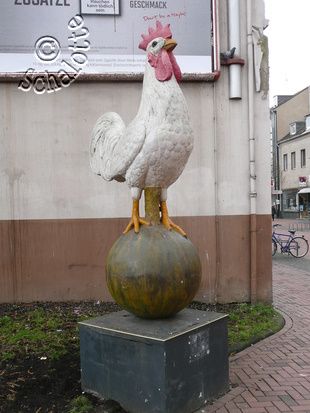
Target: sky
point(289, 45)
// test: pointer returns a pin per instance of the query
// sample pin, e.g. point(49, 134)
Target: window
point(285, 162)
point(307, 122)
point(293, 160)
point(303, 158)
point(289, 200)
point(293, 128)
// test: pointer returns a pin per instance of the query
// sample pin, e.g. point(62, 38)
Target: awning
point(304, 191)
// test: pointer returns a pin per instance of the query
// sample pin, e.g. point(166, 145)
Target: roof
point(284, 98)
point(300, 132)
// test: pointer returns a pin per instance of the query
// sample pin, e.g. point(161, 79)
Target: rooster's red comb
point(160, 31)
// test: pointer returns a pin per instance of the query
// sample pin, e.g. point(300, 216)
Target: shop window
point(289, 200)
point(293, 160)
point(285, 162)
point(303, 158)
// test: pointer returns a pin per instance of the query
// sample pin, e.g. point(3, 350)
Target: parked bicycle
point(298, 247)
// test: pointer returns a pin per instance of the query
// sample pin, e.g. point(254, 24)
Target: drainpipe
point(234, 41)
point(253, 194)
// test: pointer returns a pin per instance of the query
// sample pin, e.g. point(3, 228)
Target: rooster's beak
point(170, 44)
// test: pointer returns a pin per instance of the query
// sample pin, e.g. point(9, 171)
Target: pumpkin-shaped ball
point(153, 274)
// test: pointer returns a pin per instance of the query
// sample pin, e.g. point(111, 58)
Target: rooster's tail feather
point(107, 131)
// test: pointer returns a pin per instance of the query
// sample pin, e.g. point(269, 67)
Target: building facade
point(291, 121)
point(58, 220)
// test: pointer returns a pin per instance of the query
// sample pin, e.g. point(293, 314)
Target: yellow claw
point(135, 220)
point(167, 222)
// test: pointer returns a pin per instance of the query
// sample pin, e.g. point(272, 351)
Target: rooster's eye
point(154, 44)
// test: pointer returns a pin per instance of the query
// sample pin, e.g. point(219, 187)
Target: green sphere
point(153, 274)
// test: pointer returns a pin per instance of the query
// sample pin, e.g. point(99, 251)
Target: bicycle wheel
point(298, 247)
point(273, 248)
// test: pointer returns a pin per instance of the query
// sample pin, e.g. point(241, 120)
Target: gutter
point(253, 194)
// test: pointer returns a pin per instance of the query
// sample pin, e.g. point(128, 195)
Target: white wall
point(44, 170)
point(290, 177)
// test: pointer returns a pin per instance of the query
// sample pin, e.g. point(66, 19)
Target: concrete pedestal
point(173, 365)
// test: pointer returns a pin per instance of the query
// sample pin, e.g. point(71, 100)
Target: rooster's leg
point(135, 220)
point(165, 219)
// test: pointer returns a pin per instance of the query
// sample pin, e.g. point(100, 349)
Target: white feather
point(106, 133)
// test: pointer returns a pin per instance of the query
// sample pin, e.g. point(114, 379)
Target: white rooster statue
point(153, 149)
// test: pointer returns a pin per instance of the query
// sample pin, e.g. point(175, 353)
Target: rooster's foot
point(135, 220)
point(135, 223)
point(167, 222)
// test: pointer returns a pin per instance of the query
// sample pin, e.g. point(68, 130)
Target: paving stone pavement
point(274, 375)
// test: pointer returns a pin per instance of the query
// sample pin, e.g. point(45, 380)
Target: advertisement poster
point(103, 37)
point(105, 7)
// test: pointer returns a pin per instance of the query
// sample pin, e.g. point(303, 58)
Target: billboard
point(101, 36)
